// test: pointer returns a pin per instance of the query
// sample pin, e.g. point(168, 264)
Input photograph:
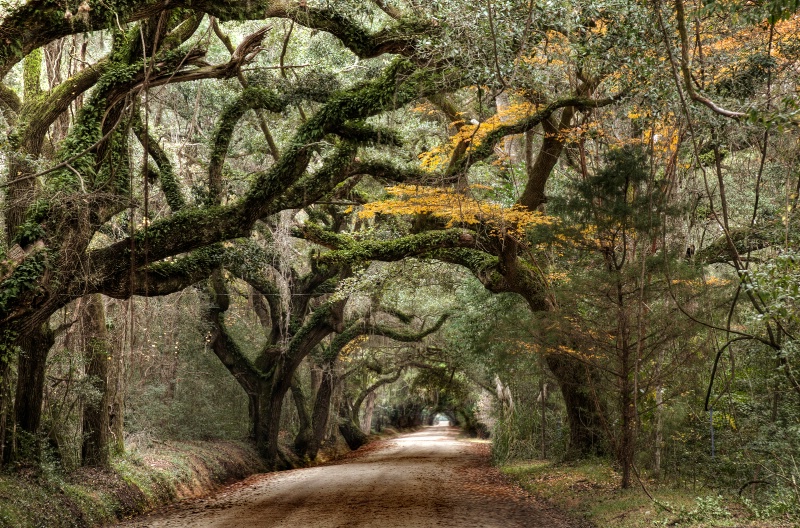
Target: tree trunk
point(321, 413)
point(352, 434)
point(254, 412)
point(97, 352)
point(366, 422)
point(6, 399)
point(304, 438)
point(269, 421)
point(30, 390)
point(21, 190)
point(116, 401)
point(627, 385)
point(628, 437)
point(584, 412)
point(659, 411)
point(316, 377)
point(337, 397)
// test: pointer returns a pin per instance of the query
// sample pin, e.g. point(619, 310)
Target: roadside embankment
point(136, 483)
point(148, 477)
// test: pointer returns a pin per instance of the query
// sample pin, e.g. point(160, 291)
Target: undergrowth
point(136, 482)
point(590, 489)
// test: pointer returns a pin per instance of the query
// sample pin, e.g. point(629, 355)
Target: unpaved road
point(423, 479)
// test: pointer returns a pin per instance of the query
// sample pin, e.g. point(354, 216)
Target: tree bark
point(366, 422)
point(5, 401)
point(584, 412)
point(304, 438)
point(116, 403)
point(97, 352)
point(352, 434)
point(322, 409)
point(34, 348)
point(270, 423)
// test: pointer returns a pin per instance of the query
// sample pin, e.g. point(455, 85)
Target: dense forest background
point(568, 226)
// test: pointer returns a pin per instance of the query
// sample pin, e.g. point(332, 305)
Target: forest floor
point(427, 478)
point(591, 489)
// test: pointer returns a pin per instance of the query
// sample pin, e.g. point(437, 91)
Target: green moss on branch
point(166, 173)
point(350, 251)
point(249, 99)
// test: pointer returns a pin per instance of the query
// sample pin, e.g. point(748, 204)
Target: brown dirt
point(427, 478)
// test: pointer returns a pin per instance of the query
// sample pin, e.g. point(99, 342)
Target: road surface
point(424, 479)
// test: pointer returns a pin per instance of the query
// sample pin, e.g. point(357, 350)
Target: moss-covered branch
point(22, 281)
point(182, 32)
point(400, 38)
point(388, 172)
point(186, 64)
point(42, 112)
point(166, 173)
point(487, 145)
point(10, 103)
point(744, 240)
point(407, 336)
point(35, 23)
point(311, 187)
point(319, 325)
point(258, 267)
point(249, 99)
point(160, 278)
point(399, 314)
point(38, 22)
point(513, 275)
point(361, 132)
point(191, 229)
point(223, 345)
point(347, 250)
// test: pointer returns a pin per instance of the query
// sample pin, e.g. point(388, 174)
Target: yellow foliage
point(351, 348)
point(456, 208)
point(710, 281)
point(425, 108)
point(584, 356)
point(558, 276)
point(726, 53)
point(474, 135)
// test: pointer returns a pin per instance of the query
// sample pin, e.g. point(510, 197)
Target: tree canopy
point(620, 175)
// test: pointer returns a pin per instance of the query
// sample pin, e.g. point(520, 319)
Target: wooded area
point(570, 226)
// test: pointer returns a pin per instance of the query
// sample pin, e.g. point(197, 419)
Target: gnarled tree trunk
point(352, 434)
point(304, 438)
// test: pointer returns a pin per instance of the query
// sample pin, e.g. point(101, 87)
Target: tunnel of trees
point(569, 226)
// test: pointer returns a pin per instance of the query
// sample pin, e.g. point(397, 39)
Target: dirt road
point(428, 478)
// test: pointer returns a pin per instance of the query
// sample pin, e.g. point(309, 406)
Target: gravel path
point(423, 479)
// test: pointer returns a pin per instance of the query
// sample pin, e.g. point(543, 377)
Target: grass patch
point(137, 482)
point(590, 489)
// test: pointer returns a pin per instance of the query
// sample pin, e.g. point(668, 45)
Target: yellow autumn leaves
point(473, 134)
point(457, 209)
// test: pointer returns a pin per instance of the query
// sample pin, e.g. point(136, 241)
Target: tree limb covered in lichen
point(159, 278)
point(166, 173)
point(487, 145)
point(347, 250)
point(744, 240)
point(249, 99)
point(38, 22)
point(193, 228)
